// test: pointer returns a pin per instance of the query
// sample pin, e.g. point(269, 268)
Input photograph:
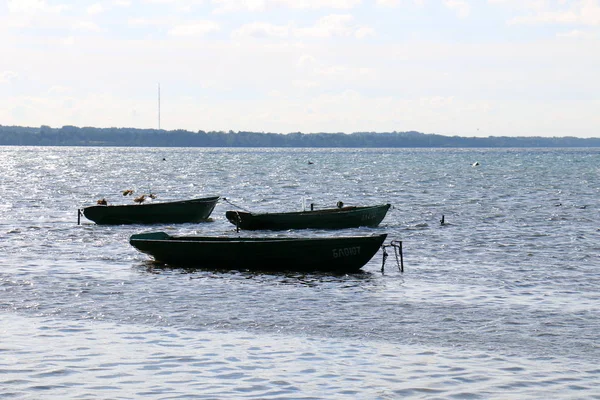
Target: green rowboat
point(331, 218)
point(327, 254)
point(175, 212)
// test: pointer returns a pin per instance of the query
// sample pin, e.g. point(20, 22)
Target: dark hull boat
point(332, 218)
point(175, 212)
point(330, 254)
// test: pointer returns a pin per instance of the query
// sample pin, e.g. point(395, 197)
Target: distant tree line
point(88, 136)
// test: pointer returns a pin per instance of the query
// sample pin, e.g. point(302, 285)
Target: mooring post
point(401, 258)
point(385, 256)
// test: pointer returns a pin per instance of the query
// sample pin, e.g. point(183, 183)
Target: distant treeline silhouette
point(89, 136)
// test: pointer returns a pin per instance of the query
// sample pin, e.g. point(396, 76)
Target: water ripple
point(500, 299)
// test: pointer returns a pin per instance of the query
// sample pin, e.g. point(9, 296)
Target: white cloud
point(523, 4)
point(388, 3)
point(316, 4)
point(326, 27)
point(329, 26)
point(576, 33)
point(59, 90)
point(96, 8)
point(86, 26)
point(582, 12)
point(306, 61)
point(199, 28)
point(590, 12)
point(461, 7)
point(262, 29)
point(573, 34)
point(146, 22)
point(549, 17)
point(436, 101)
point(38, 14)
point(68, 41)
point(179, 5)
point(312, 70)
point(33, 7)
point(224, 6)
point(304, 84)
point(7, 76)
point(364, 32)
point(345, 73)
point(397, 3)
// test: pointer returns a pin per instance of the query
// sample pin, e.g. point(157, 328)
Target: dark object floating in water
point(175, 212)
point(331, 218)
point(327, 254)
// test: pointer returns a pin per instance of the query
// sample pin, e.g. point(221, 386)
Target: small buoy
point(475, 164)
point(310, 163)
point(442, 221)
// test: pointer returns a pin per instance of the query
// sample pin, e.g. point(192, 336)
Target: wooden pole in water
point(401, 258)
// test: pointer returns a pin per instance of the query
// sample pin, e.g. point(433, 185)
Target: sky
point(473, 68)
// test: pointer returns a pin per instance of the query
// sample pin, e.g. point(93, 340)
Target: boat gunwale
point(166, 203)
point(325, 211)
point(226, 239)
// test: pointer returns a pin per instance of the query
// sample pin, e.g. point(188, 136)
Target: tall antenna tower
point(159, 106)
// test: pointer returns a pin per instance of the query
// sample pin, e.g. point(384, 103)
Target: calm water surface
point(500, 302)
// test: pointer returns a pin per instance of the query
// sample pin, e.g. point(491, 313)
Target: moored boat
point(330, 218)
point(328, 254)
point(174, 212)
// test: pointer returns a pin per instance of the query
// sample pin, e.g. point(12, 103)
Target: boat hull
point(336, 254)
point(176, 212)
point(333, 218)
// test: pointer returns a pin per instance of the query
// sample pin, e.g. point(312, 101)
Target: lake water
point(502, 301)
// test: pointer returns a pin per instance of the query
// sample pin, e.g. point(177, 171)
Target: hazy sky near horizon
point(452, 67)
